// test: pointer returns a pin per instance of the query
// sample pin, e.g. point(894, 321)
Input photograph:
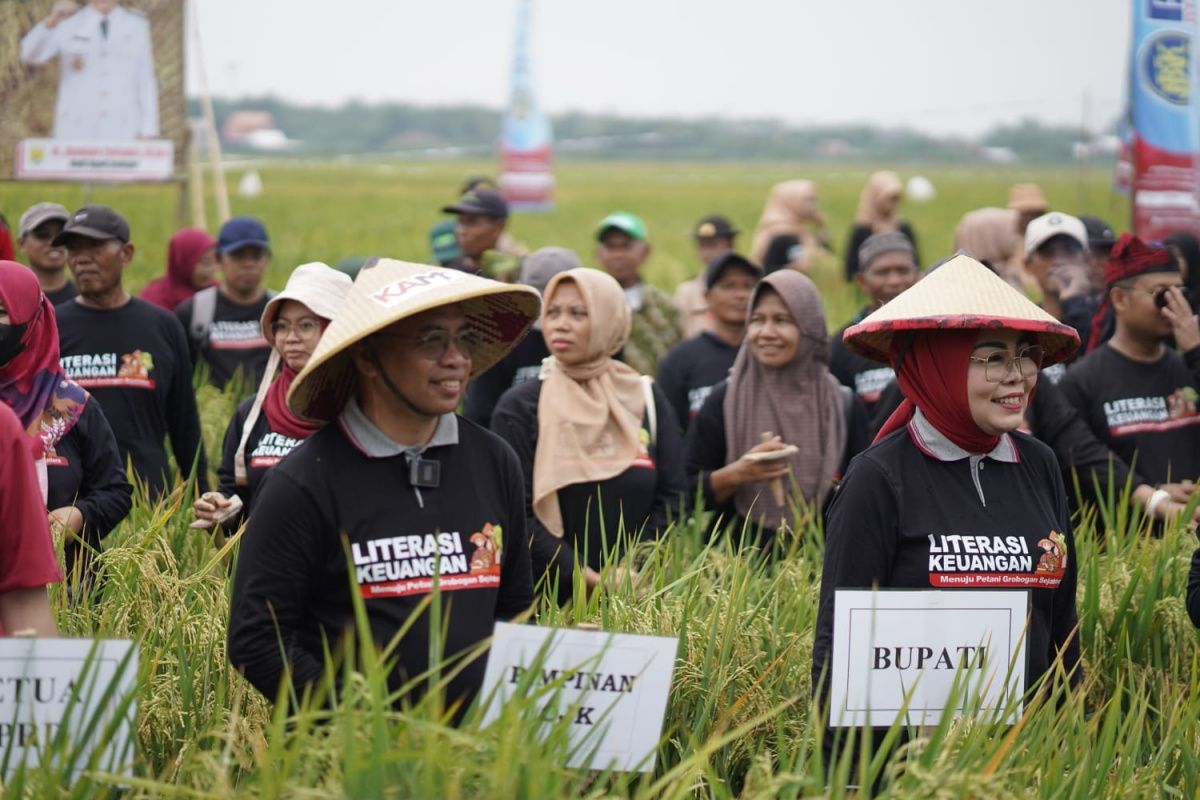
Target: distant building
point(256, 130)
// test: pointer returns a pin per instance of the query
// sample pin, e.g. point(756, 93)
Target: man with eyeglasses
point(129, 354)
point(36, 231)
point(398, 498)
point(1137, 394)
point(222, 322)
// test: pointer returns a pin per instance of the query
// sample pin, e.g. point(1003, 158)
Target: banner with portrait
point(92, 90)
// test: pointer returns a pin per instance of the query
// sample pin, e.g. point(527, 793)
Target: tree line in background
point(357, 128)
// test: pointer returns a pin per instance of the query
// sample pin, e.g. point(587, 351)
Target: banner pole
point(210, 121)
point(196, 184)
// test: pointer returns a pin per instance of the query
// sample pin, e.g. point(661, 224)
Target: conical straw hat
point(961, 293)
point(390, 291)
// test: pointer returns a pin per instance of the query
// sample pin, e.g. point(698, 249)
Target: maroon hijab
point(183, 254)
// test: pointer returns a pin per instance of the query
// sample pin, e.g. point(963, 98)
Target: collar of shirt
point(934, 443)
point(635, 297)
point(374, 443)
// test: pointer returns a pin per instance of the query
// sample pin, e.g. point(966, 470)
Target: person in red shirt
point(27, 563)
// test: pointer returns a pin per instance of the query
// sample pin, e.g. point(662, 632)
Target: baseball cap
point(443, 243)
point(1027, 197)
point(241, 231)
point(94, 222)
point(41, 212)
point(725, 261)
point(715, 226)
point(487, 202)
point(1099, 232)
point(1044, 228)
point(625, 222)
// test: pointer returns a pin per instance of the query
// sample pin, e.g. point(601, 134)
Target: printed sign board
point(612, 687)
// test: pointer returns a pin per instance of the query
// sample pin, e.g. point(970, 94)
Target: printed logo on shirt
point(230, 335)
point(643, 458)
point(696, 399)
point(271, 449)
point(399, 566)
point(104, 370)
point(524, 374)
point(1054, 373)
point(53, 459)
point(870, 383)
point(1152, 414)
point(999, 562)
point(405, 289)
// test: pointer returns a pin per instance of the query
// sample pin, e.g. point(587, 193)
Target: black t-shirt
point(85, 470)
point(1145, 413)
point(523, 363)
point(60, 296)
point(690, 370)
point(328, 497)
point(705, 452)
point(134, 362)
point(641, 501)
point(234, 342)
point(906, 520)
point(264, 449)
point(868, 379)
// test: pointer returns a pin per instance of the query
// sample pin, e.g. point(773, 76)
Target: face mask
point(11, 345)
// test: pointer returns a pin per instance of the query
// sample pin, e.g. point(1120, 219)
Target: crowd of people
point(624, 411)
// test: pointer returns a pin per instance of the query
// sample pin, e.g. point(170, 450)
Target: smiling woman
point(950, 464)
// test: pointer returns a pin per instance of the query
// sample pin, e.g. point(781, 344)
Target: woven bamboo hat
point(390, 291)
point(960, 294)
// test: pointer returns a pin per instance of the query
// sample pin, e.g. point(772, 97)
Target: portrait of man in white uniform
point(106, 86)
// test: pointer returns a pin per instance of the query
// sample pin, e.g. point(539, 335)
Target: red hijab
point(183, 254)
point(933, 377)
point(33, 384)
point(279, 416)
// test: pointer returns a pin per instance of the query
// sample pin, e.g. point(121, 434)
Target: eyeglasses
point(997, 366)
point(305, 328)
point(434, 345)
point(1160, 294)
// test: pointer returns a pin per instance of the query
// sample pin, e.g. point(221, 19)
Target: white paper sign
point(58, 159)
point(69, 690)
point(889, 643)
point(613, 687)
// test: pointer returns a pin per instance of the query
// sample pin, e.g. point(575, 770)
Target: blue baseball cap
point(241, 231)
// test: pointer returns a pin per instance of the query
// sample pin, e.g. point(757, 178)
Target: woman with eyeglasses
point(599, 444)
point(952, 495)
point(263, 430)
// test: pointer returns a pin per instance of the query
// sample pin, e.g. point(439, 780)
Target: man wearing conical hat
point(951, 495)
point(397, 497)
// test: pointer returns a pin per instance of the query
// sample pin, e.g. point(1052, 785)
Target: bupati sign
point(68, 702)
point(56, 159)
point(609, 689)
point(907, 652)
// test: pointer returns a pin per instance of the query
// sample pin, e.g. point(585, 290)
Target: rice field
point(739, 722)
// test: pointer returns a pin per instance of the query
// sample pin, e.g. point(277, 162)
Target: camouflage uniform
point(655, 328)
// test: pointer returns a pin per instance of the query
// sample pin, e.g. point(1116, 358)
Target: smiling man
point(36, 231)
point(222, 322)
point(129, 354)
point(417, 496)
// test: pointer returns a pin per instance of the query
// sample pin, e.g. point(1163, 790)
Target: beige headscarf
point(801, 402)
point(589, 414)
point(990, 234)
point(879, 185)
point(790, 209)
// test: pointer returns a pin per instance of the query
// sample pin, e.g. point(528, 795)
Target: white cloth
point(635, 297)
point(107, 89)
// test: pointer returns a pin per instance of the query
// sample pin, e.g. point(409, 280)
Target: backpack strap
point(204, 307)
point(651, 409)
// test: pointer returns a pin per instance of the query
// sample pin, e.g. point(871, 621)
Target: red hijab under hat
point(932, 374)
point(33, 384)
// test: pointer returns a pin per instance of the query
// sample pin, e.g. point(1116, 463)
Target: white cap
point(1047, 226)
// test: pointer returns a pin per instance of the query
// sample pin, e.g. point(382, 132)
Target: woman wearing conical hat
point(951, 495)
point(395, 496)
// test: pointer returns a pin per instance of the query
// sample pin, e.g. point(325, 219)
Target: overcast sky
point(946, 66)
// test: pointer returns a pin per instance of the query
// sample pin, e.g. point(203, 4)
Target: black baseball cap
point(715, 226)
point(728, 260)
point(1099, 232)
point(486, 202)
point(94, 222)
